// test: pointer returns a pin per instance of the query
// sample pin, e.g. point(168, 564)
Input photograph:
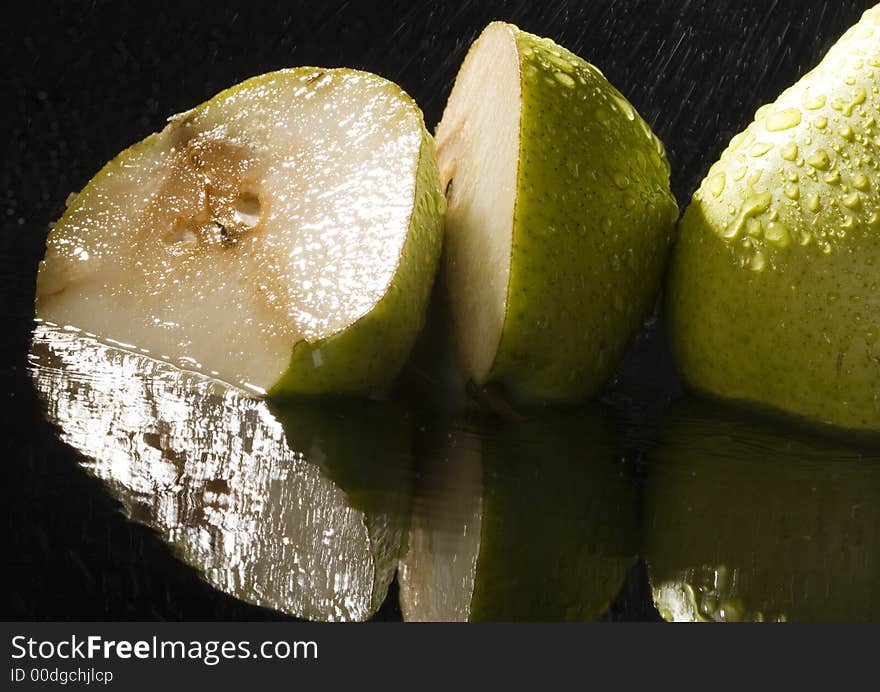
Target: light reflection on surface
point(748, 519)
point(298, 508)
point(520, 520)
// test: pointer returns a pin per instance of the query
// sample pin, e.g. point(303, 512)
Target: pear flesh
point(298, 209)
point(772, 295)
point(559, 217)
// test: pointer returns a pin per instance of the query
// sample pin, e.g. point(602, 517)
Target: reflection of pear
point(750, 520)
point(213, 472)
point(534, 520)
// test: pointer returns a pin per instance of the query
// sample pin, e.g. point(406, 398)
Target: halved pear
point(282, 236)
point(302, 508)
point(559, 216)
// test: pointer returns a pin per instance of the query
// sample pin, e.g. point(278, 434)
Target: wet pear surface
point(279, 212)
point(773, 286)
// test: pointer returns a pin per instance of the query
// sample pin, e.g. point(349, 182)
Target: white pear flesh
point(481, 159)
point(274, 214)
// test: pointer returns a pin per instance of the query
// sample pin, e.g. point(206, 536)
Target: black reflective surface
point(178, 500)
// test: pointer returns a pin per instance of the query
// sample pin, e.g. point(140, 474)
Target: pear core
point(274, 214)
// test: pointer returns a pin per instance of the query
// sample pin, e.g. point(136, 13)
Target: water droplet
point(757, 262)
point(819, 160)
point(847, 133)
point(815, 103)
point(716, 184)
point(753, 206)
point(565, 79)
point(777, 235)
point(820, 123)
point(832, 178)
point(851, 200)
point(625, 106)
point(789, 152)
point(754, 227)
point(783, 120)
point(792, 191)
point(860, 181)
point(760, 148)
point(814, 204)
point(621, 181)
point(740, 173)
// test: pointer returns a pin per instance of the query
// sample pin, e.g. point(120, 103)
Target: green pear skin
point(251, 240)
point(592, 221)
point(772, 295)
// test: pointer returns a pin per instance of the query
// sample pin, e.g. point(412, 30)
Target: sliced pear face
point(752, 520)
point(303, 509)
point(559, 216)
point(530, 521)
point(298, 208)
point(772, 294)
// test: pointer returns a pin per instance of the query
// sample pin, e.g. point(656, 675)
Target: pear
point(747, 519)
point(282, 237)
point(772, 293)
point(559, 217)
point(302, 508)
point(529, 520)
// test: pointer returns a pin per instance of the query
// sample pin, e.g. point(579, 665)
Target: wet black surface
point(84, 80)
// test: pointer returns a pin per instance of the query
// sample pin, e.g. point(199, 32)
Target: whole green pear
point(773, 288)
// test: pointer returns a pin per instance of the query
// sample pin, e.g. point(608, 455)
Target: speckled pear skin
point(366, 357)
point(772, 294)
point(593, 221)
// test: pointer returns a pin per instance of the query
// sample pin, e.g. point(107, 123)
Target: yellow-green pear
point(559, 217)
point(772, 294)
point(282, 236)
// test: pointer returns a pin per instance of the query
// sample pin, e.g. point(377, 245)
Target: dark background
point(81, 81)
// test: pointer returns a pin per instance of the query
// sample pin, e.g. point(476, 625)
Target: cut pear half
point(559, 217)
point(282, 236)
